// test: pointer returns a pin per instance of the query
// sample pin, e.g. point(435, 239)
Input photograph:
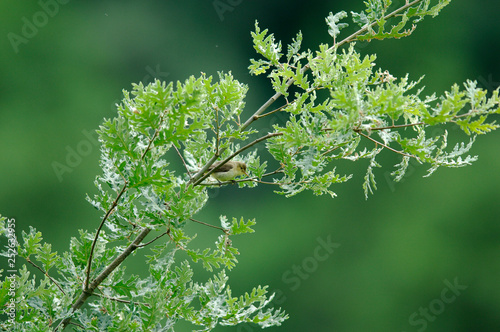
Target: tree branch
point(207, 174)
point(182, 159)
point(91, 255)
point(257, 117)
point(156, 238)
point(88, 291)
point(120, 300)
point(115, 203)
point(398, 126)
point(46, 274)
point(385, 146)
point(201, 175)
point(386, 17)
point(206, 224)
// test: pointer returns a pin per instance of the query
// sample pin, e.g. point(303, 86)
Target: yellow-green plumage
point(228, 171)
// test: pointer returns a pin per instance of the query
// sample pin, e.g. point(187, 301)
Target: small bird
point(228, 171)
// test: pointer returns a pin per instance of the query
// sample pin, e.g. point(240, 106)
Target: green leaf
point(360, 18)
point(370, 184)
point(265, 45)
point(294, 48)
point(47, 257)
point(242, 227)
point(477, 127)
point(31, 243)
point(333, 24)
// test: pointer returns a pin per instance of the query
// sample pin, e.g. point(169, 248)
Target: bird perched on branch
point(228, 171)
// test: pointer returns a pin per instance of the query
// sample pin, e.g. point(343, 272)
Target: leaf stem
point(384, 145)
point(46, 274)
point(209, 225)
point(182, 159)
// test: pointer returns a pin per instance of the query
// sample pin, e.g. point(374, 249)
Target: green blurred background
point(396, 256)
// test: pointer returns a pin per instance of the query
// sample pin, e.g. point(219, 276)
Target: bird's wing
point(224, 168)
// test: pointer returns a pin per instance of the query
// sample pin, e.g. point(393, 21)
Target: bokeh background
point(420, 255)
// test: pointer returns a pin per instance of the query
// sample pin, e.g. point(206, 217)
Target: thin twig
point(217, 137)
point(156, 238)
point(357, 129)
point(398, 126)
point(271, 183)
point(261, 109)
point(330, 150)
point(157, 131)
point(410, 124)
point(46, 274)
point(115, 203)
point(183, 161)
point(386, 17)
point(213, 226)
point(76, 324)
point(207, 174)
point(385, 146)
point(254, 178)
point(257, 117)
point(118, 300)
point(91, 255)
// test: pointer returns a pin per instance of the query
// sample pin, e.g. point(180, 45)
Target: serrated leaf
point(333, 24)
point(242, 227)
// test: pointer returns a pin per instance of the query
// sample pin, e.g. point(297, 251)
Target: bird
point(228, 171)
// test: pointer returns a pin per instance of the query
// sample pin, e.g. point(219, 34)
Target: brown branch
point(156, 238)
point(261, 109)
point(257, 117)
point(207, 174)
point(182, 159)
point(330, 150)
point(119, 300)
point(213, 226)
point(46, 274)
point(470, 113)
point(384, 145)
point(76, 324)
point(151, 140)
point(398, 126)
point(110, 210)
point(386, 17)
point(115, 203)
point(87, 292)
